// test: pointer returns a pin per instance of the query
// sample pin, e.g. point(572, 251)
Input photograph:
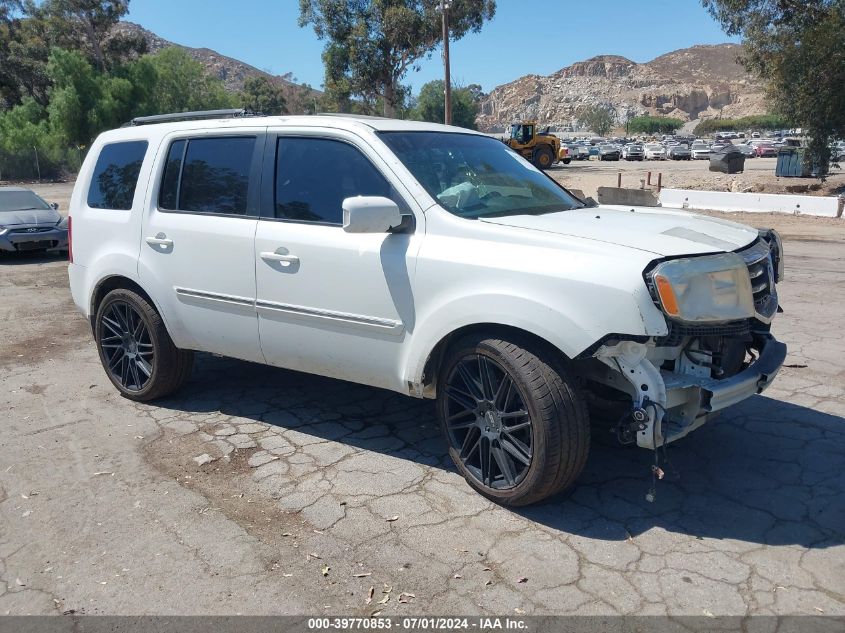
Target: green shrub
point(756, 122)
point(653, 125)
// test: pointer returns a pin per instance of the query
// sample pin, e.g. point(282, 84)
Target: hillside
point(692, 83)
point(231, 71)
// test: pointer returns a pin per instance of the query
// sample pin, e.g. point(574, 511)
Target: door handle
point(159, 240)
point(285, 260)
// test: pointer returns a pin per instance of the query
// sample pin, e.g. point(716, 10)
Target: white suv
point(428, 260)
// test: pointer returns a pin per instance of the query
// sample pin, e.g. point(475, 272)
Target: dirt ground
point(759, 177)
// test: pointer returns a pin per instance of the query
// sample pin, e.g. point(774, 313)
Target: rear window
point(116, 175)
point(208, 175)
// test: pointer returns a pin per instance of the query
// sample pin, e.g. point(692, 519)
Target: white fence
point(751, 202)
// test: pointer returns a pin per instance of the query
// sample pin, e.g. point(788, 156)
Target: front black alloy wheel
point(135, 348)
point(488, 423)
point(515, 423)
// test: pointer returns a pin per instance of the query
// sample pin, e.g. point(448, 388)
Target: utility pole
point(445, 5)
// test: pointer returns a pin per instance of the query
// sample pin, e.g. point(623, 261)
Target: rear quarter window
point(116, 175)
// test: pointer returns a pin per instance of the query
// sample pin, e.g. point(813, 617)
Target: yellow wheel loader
point(541, 148)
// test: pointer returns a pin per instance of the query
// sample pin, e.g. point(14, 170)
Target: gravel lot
point(319, 490)
point(759, 176)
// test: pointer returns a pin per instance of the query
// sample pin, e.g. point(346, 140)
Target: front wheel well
point(491, 330)
point(108, 284)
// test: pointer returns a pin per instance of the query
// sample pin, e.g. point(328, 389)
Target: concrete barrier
point(826, 206)
point(627, 197)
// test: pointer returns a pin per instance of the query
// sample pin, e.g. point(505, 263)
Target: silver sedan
point(29, 223)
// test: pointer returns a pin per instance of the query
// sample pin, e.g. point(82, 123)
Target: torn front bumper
point(678, 403)
point(691, 399)
point(719, 394)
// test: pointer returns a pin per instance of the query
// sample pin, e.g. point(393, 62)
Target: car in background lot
point(765, 150)
point(609, 152)
point(679, 152)
point(747, 150)
point(29, 223)
point(654, 151)
point(633, 151)
point(700, 150)
point(579, 151)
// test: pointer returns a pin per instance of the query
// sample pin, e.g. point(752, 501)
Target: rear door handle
point(159, 240)
point(285, 260)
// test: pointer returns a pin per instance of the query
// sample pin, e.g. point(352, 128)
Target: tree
point(798, 48)
point(372, 44)
point(262, 95)
point(430, 105)
point(24, 50)
point(181, 85)
point(653, 125)
point(29, 31)
point(742, 124)
point(599, 119)
point(88, 22)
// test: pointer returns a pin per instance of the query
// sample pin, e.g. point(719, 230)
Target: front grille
point(35, 246)
point(679, 331)
point(758, 258)
point(32, 229)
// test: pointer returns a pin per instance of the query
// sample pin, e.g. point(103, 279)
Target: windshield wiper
point(543, 211)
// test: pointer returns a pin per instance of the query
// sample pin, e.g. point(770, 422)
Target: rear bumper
point(22, 239)
point(79, 288)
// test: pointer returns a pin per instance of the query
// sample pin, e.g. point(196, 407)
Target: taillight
point(70, 239)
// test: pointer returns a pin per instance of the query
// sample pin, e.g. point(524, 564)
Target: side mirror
point(370, 214)
point(54, 206)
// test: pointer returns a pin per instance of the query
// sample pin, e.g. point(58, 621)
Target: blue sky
point(264, 33)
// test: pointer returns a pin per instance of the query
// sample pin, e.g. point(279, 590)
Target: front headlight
point(709, 289)
point(3, 230)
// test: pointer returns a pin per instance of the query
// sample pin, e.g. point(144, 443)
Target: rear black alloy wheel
point(515, 423)
point(127, 346)
point(135, 348)
point(488, 423)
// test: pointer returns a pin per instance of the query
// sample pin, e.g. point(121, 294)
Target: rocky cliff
point(689, 84)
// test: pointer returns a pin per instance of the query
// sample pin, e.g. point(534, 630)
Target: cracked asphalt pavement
point(263, 491)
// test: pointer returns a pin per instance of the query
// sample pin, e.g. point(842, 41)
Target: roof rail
point(192, 116)
point(349, 116)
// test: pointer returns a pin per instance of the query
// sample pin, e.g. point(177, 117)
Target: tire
point(136, 351)
point(543, 158)
point(529, 386)
point(566, 161)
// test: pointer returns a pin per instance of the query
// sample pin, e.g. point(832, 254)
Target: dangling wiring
point(656, 471)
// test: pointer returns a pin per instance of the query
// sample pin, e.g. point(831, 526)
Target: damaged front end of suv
point(718, 350)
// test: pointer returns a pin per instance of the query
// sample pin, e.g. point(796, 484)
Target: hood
point(46, 217)
point(666, 233)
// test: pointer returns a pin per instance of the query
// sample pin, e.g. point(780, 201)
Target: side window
point(314, 176)
point(207, 175)
point(116, 175)
point(169, 196)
